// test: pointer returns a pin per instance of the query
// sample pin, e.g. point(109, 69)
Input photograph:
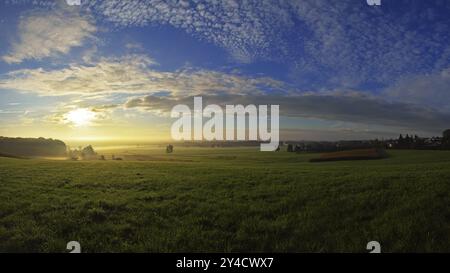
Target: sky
point(112, 70)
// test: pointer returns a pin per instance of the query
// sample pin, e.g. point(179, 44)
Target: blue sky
point(338, 69)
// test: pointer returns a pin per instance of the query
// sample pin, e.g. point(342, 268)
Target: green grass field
point(226, 200)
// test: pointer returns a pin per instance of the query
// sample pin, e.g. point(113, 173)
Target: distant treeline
point(403, 142)
point(32, 147)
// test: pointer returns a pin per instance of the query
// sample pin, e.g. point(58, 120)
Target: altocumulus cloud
point(333, 43)
point(343, 43)
point(247, 29)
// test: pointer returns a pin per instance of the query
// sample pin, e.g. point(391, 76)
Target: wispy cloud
point(48, 34)
point(136, 80)
point(432, 90)
point(133, 74)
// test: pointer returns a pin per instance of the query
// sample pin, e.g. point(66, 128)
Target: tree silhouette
point(446, 139)
point(290, 148)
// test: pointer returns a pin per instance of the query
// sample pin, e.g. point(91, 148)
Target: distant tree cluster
point(86, 153)
point(32, 147)
point(416, 142)
point(409, 142)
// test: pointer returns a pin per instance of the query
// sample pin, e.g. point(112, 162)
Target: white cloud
point(73, 2)
point(332, 43)
point(342, 43)
point(352, 43)
point(133, 74)
point(247, 29)
point(135, 79)
point(113, 80)
point(48, 34)
point(338, 43)
point(432, 90)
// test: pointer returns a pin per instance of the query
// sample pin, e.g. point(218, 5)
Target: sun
point(80, 117)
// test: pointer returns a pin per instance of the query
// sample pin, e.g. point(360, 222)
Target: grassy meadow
point(225, 200)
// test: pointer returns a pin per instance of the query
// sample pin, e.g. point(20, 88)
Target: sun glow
point(80, 117)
